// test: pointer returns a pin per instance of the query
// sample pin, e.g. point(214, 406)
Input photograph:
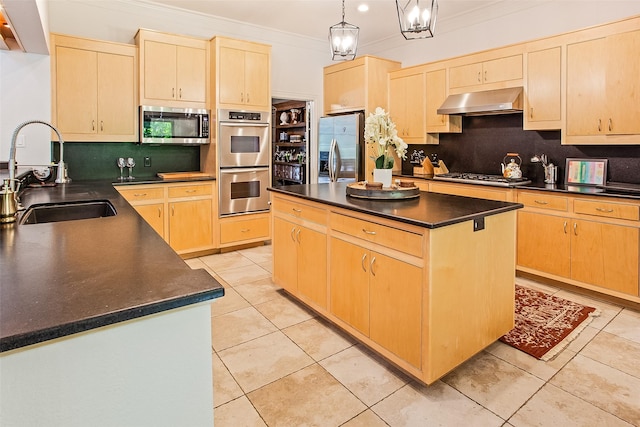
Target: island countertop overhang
point(429, 210)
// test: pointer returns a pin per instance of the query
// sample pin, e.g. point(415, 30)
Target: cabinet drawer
point(404, 241)
point(299, 210)
point(246, 229)
point(137, 194)
point(190, 190)
point(543, 201)
point(607, 209)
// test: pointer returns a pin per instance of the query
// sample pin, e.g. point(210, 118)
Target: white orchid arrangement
point(380, 130)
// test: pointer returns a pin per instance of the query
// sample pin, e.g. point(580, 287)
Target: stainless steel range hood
point(497, 101)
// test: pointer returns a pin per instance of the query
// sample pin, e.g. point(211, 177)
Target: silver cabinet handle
point(373, 233)
point(599, 125)
point(298, 235)
point(159, 212)
point(139, 194)
point(190, 191)
point(364, 257)
point(247, 97)
point(93, 125)
point(180, 93)
point(241, 96)
point(296, 210)
point(479, 80)
point(173, 92)
point(564, 227)
point(531, 113)
point(604, 210)
point(292, 231)
point(102, 126)
point(373, 261)
point(610, 125)
point(575, 228)
point(485, 75)
point(541, 202)
point(173, 211)
point(245, 230)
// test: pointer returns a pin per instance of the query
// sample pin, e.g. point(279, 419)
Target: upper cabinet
point(93, 89)
point(543, 91)
point(357, 85)
point(603, 87)
point(437, 92)
point(242, 74)
point(173, 70)
point(407, 104)
point(505, 71)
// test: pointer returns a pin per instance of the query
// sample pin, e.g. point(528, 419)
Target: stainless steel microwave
point(169, 125)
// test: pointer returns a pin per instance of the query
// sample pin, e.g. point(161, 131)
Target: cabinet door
point(159, 70)
point(312, 265)
point(116, 95)
point(397, 104)
point(436, 94)
point(605, 255)
point(190, 74)
point(465, 75)
point(345, 89)
point(623, 84)
point(543, 243)
point(415, 108)
point(256, 80)
point(502, 69)
point(190, 224)
point(586, 88)
point(76, 90)
point(543, 89)
point(154, 215)
point(396, 307)
point(349, 284)
point(285, 259)
point(231, 72)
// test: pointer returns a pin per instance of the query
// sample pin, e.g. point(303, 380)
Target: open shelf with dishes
point(290, 138)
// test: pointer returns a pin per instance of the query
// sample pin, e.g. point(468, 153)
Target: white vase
point(383, 176)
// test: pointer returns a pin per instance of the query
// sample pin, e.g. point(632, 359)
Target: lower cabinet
point(154, 215)
point(190, 225)
point(244, 229)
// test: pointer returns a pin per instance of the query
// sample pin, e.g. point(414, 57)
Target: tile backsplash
point(485, 140)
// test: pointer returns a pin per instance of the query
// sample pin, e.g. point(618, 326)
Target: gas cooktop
point(484, 179)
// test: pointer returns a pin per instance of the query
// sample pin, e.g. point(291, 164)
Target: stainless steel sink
point(67, 211)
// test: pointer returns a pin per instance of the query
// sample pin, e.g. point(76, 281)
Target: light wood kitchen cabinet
point(592, 243)
point(190, 225)
point(498, 70)
point(93, 89)
point(173, 70)
point(243, 229)
point(407, 104)
point(543, 92)
point(437, 92)
point(154, 215)
point(602, 82)
point(242, 74)
point(478, 191)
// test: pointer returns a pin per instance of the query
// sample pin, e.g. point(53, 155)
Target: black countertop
point(61, 278)
point(430, 210)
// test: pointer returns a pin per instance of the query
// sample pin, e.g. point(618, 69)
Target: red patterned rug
point(545, 324)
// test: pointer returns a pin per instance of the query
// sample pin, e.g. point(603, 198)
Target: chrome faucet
point(61, 177)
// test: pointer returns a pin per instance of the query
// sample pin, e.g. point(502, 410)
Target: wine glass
point(130, 164)
point(121, 164)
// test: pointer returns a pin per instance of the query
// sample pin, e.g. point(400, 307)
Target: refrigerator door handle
point(337, 161)
point(330, 161)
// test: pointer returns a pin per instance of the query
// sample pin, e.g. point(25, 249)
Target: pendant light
point(417, 19)
point(343, 40)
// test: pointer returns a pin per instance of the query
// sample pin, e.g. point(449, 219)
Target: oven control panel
point(254, 116)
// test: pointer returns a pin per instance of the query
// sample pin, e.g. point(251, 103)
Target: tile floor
point(277, 364)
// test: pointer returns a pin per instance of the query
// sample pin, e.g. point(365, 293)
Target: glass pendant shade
point(343, 40)
point(417, 18)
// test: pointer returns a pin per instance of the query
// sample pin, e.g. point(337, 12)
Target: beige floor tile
point(258, 254)
point(539, 368)
point(625, 358)
point(225, 387)
point(308, 397)
point(626, 325)
point(231, 301)
point(603, 386)
point(263, 360)
point(195, 263)
point(552, 406)
point(436, 405)
point(237, 413)
point(260, 291)
point(226, 261)
point(366, 376)
point(366, 419)
point(268, 266)
point(318, 339)
point(495, 384)
point(607, 310)
point(238, 327)
point(585, 336)
point(283, 311)
point(243, 275)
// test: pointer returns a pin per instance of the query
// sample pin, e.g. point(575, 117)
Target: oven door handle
point(233, 124)
point(240, 170)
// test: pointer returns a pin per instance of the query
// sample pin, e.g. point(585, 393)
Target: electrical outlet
point(20, 142)
point(147, 162)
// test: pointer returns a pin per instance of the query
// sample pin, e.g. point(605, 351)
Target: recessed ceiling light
point(363, 7)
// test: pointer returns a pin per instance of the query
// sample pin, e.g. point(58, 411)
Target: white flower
point(379, 129)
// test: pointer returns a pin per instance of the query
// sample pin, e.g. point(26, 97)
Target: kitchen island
point(426, 282)
point(101, 322)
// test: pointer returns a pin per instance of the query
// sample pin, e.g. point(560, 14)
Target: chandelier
point(417, 21)
point(343, 40)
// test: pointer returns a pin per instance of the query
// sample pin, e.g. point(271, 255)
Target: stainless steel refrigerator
point(341, 148)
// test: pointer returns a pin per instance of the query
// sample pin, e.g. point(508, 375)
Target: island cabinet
point(173, 69)
point(498, 70)
point(407, 104)
point(602, 82)
point(479, 191)
point(93, 89)
point(242, 74)
point(585, 241)
point(426, 299)
point(543, 88)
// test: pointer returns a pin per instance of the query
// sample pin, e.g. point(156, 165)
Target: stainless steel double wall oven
point(243, 161)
